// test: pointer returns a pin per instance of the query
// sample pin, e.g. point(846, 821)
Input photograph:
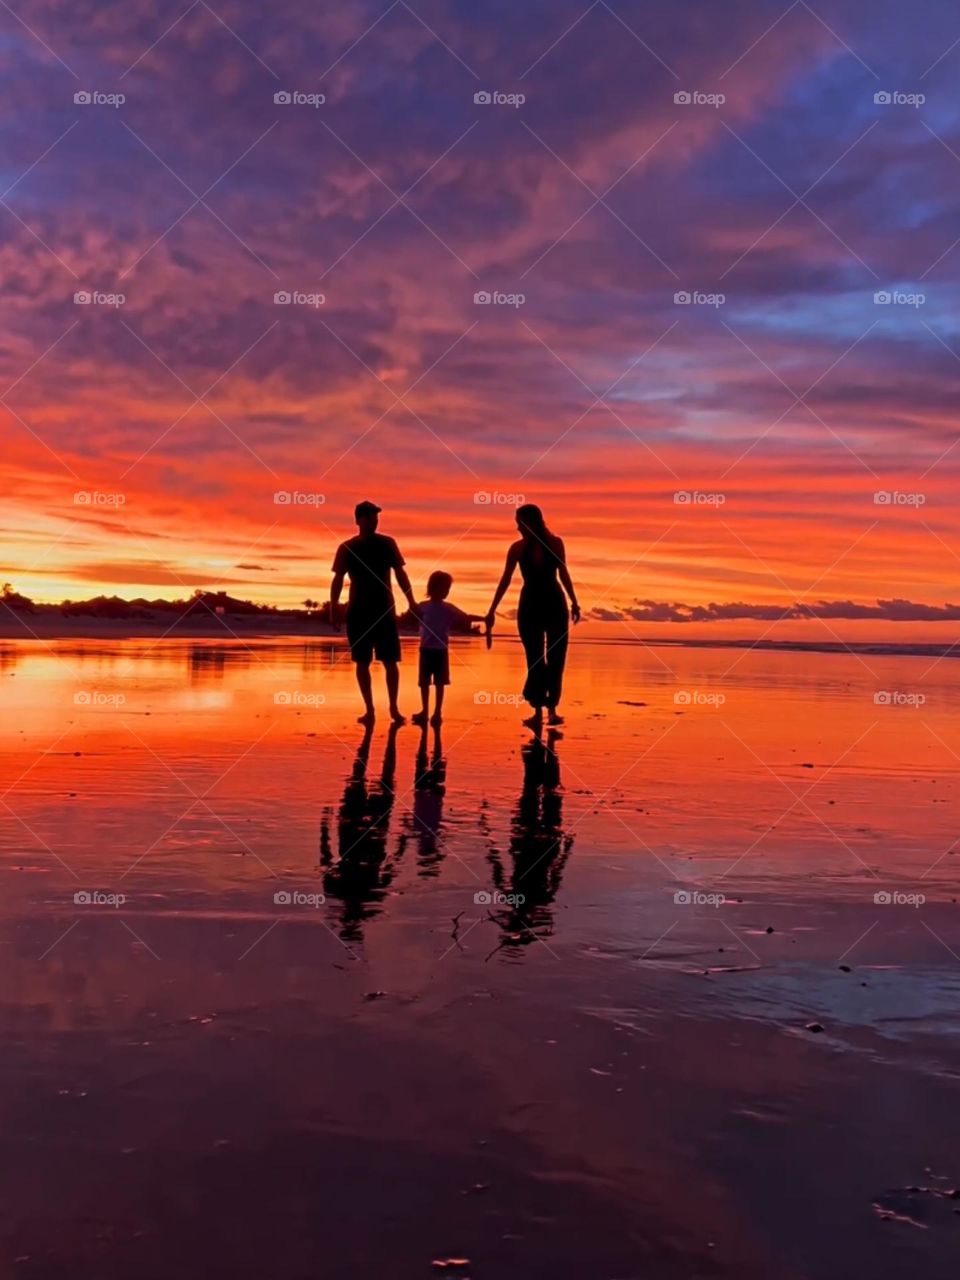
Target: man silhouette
point(372, 631)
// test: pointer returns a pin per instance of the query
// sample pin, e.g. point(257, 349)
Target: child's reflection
point(429, 786)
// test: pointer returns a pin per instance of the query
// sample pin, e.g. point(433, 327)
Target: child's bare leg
point(438, 713)
point(421, 716)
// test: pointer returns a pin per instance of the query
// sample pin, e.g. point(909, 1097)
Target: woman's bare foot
point(367, 718)
point(396, 716)
point(420, 718)
point(436, 719)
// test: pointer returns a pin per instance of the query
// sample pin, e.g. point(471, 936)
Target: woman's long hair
point(530, 519)
point(533, 527)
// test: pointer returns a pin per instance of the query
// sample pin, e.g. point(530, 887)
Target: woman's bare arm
point(504, 583)
point(564, 574)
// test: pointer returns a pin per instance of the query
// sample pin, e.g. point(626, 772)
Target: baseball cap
point(366, 508)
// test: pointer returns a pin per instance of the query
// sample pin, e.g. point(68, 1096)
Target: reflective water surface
point(673, 992)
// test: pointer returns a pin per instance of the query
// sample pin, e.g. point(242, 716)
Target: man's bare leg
point(392, 672)
point(366, 692)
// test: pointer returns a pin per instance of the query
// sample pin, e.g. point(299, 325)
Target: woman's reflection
point(539, 848)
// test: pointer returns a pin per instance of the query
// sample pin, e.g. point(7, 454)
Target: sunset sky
point(178, 415)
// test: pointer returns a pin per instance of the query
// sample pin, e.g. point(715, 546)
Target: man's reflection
point(539, 849)
point(363, 870)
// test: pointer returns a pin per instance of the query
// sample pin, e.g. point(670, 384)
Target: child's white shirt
point(436, 619)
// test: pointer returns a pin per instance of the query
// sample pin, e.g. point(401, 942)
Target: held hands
point(488, 620)
point(575, 612)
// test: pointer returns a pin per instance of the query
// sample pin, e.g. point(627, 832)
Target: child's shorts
point(434, 666)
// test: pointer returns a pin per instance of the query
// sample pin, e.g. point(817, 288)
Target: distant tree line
point(200, 604)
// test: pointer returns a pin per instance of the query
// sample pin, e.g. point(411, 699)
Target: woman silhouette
point(542, 618)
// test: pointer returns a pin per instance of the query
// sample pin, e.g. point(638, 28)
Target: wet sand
point(318, 1035)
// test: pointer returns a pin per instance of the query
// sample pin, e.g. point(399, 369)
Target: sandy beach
point(480, 640)
point(265, 974)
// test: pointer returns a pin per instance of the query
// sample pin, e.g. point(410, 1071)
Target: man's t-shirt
point(369, 561)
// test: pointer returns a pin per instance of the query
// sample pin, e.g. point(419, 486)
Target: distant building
point(220, 604)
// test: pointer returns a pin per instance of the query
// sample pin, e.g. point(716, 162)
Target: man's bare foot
point(367, 718)
point(436, 719)
point(555, 718)
point(535, 721)
point(420, 718)
point(396, 716)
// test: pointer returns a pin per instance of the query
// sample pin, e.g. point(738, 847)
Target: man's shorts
point(372, 636)
point(434, 667)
